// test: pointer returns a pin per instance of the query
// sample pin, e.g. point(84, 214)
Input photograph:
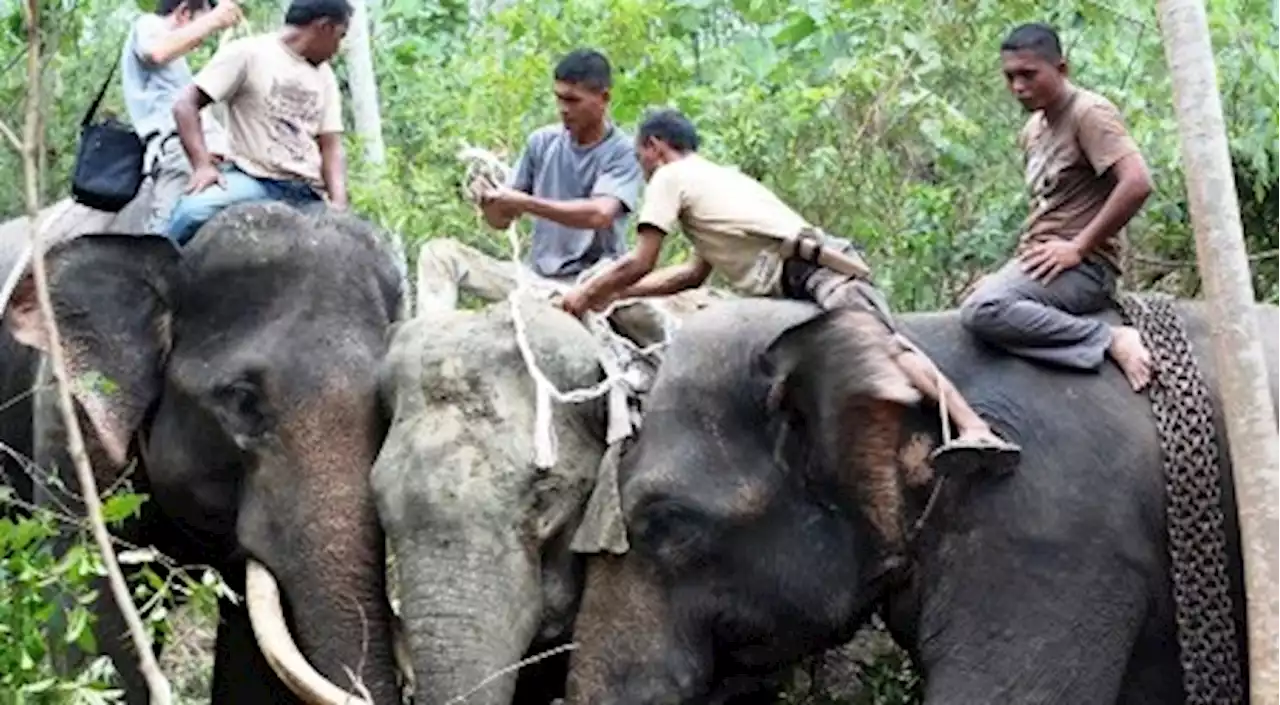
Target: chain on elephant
point(1197, 532)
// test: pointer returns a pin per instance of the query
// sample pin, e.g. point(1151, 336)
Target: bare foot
point(1131, 355)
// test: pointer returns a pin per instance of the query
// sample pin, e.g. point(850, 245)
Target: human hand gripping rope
point(617, 348)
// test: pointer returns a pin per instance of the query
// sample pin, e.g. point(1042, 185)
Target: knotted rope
point(482, 164)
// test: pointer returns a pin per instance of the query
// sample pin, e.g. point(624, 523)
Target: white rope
point(482, 163)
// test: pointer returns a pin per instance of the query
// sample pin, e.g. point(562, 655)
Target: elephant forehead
point(452, 469)
point(465, 343)
point(720, 464)
point(715, 348)
point(461, 440)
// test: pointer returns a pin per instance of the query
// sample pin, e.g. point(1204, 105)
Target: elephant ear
point(834, 358)
point(112, 299)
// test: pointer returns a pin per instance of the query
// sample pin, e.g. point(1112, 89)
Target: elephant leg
point(241, 673)
point(1062, 642)
point(1156, 655)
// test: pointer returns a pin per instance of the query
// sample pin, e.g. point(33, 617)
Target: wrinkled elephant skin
point(480, 535)
point(243, 377)
point(1050, 585)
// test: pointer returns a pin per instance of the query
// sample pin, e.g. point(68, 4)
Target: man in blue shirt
point(579, 179)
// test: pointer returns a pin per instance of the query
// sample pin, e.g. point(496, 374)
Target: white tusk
point(404, 662)
point(267, 617)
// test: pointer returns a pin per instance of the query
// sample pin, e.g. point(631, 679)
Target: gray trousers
point(171, 173)
point(446, 265)
point(1018, 314)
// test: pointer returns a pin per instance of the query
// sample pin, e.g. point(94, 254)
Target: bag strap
point(102, 92)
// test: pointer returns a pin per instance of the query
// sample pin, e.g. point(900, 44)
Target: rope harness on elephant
point(1183, 411)
point(628, 367)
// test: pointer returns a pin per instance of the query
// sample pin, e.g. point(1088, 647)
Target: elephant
point(1048, 585)
point(66, 219)
point(480, 535)
point(243, 397)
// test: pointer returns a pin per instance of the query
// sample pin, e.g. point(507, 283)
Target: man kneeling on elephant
point(741, 229)
point(1087, 179)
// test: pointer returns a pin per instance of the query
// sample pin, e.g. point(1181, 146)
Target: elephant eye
point(239, 407)
point(240, 396)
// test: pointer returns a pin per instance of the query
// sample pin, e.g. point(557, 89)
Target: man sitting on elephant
point(153, 70)
point(1087, 179)
point(739, 228)
point(578, 179)
point(285, 119)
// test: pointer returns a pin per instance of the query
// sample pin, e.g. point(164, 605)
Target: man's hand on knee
point(203, 177)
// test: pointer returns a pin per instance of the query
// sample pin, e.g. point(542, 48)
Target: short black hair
point(304, 12)
point(1036, 37)
point(164, 8)
point(670, 126)
point(585, 67)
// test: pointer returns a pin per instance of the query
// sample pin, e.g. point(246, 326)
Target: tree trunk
point(364, 86)
point(368, 117)
point(1224, 270)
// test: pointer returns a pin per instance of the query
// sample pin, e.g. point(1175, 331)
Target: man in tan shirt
point(738, 227)
point(285, 119)
point(1086, 179)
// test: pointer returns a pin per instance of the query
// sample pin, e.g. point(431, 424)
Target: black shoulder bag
point(109, 160)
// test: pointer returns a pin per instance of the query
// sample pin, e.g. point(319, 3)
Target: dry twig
point(511, 669)
point(1180, 263)
point(13, 139)
point(161, 693)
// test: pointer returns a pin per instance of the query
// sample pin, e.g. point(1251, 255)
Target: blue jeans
point(194, 210)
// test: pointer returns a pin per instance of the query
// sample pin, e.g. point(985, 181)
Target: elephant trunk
point(627, 650)
point(338, 614)
point(471, 615)
point(318, 536)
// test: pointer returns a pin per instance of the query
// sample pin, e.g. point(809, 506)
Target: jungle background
point(887, 122)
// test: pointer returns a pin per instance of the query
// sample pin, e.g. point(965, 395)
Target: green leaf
point(799, 26)
point(119, 507)
point(76, 624)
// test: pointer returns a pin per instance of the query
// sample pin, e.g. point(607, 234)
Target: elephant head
point(736, 500)
point(480, 534)
point(243, 374)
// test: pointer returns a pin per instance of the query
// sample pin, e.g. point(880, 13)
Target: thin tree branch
point(1182, 263)
point(161, 692)
point(13, 138)
point(14, 61)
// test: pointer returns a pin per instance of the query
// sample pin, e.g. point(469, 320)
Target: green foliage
point(47, 595)
point(30, 574)
point(885, 122)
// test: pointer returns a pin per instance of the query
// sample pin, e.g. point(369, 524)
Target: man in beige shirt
point(1086, 179)
point(738, 227)
point(153, 72)
point(285, 119)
